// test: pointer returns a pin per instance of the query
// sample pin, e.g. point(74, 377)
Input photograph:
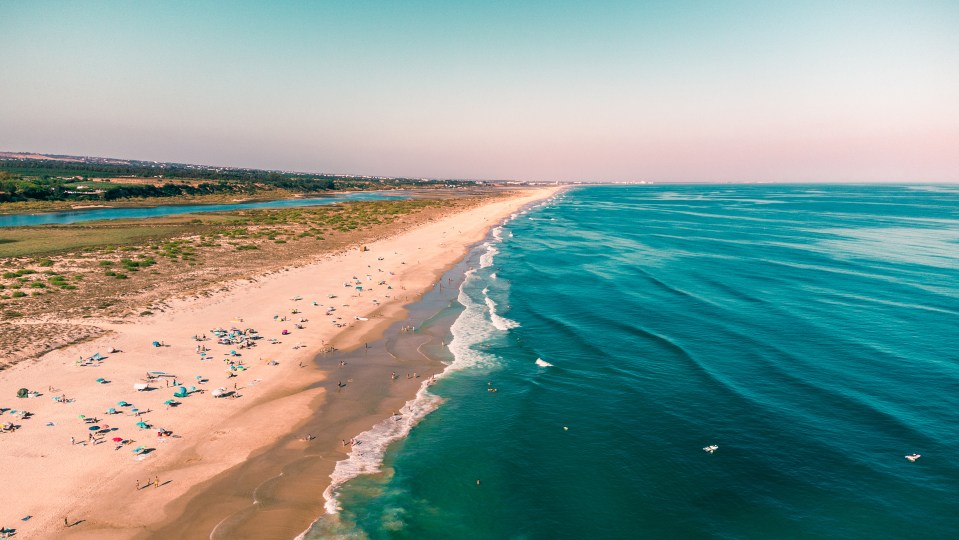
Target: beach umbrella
point(118, 439)
point(169, 402)
point(138, 449)
point(122, 403)
point(111, 410)
point(94, 428)
point(142, 425)
point(101, 380)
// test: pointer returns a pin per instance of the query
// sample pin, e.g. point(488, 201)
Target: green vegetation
point(121, 267)
point(83, 179)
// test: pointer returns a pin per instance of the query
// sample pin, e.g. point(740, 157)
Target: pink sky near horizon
point(606, 91)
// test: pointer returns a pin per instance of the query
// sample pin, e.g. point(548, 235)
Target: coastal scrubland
point(53, 279)
point(46, 183)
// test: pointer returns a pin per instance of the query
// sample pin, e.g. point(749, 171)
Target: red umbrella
point(118, 439)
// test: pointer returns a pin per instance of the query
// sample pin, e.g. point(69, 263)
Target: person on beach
point(138, 485)
point(156, 483)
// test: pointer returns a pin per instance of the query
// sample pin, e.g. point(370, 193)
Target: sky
point(538, 90)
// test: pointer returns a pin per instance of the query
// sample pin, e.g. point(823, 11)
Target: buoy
point(565, 428)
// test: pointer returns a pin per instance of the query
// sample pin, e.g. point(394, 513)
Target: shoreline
point(289, 479)
point(227, 433)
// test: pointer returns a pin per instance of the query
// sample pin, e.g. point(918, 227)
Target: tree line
point(55, 181)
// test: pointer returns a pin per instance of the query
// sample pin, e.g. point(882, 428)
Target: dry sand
point(93, 487)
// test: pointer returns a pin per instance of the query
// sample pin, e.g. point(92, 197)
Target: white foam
point(367, 453)
point(500, 322)
point(469, 329)
point(486, 259)
point(493, 275)
point(543, 363)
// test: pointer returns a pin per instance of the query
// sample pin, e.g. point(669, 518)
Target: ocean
point(603, 339)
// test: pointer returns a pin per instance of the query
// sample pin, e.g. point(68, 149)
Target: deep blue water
point(808, 331)
point(61, 218)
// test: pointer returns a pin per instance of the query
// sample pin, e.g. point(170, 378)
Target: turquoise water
point(808, 331)
point(62, 218)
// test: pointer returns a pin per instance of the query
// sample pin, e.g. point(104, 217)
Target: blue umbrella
point(142, 425)
point(94, 428)
point(122, 403)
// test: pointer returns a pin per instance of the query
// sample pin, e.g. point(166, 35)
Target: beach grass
point(128, 268)
point(272, 224)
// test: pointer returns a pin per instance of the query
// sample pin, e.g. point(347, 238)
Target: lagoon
point(63, 218)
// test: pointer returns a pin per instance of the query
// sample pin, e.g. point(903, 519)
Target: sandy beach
point(79, 465)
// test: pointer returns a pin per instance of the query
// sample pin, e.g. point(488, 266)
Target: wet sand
point(223, 451)
point(278, 492)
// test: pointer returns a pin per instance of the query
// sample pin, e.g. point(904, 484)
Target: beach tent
point(22, 393)
point(180, 392)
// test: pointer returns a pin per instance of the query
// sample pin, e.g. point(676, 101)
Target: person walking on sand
point(156, 483)
point(138, 484)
